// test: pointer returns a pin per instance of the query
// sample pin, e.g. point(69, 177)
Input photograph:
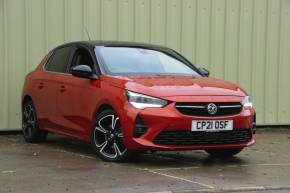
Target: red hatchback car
point(126, 97)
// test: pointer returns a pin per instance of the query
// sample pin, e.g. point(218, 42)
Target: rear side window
point(58, 62)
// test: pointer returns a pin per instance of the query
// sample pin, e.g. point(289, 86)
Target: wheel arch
point(103, 107)
point(25, 99)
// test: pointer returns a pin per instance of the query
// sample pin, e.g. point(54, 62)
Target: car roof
point(94, 43)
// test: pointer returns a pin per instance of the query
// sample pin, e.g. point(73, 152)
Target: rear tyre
point(30, 129)
point(224, 153)
point(107, 138)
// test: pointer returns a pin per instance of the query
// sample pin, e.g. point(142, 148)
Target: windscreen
point(127, 60)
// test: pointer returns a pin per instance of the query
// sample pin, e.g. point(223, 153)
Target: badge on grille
point(211, 108)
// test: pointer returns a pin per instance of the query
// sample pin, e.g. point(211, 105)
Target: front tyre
point(224, 153)
point(107, 137)
point(31, 132)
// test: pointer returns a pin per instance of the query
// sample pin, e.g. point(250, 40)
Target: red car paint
point(68, 105)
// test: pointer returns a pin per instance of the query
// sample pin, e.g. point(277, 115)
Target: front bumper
point(169, 119)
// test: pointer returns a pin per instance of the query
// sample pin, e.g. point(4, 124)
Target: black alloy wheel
point(107, 137)
point(31, 132)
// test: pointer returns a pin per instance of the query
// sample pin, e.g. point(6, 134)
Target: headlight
point(141, 101)
point(247, 102)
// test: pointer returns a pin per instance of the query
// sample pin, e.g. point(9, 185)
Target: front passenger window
point(82, 57)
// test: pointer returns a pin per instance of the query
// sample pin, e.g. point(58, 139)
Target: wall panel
point(74, 20)
point(173, 27)
point(232, 30)
point(92, 18)
point(158, 22)
point(126, 19)
point(109, 22)
point(203, 27)
point(16, 58)
point(55, 23)
point(2, 67)
point(243, 41)
point(284, 63)
point(35, 33)
point(259, 57)
point(188, 29)
point(217, 35)
point(272, 61)
point(142, 21)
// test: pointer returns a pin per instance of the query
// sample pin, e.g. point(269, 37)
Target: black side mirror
point(203, 72)
point(83, 71)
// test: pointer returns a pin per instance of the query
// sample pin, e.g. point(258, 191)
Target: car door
point(76, 96)
point(46, 87)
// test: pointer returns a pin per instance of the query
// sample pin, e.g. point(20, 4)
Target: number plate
point(212, 125)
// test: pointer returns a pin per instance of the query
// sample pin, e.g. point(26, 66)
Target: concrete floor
point(65, 165)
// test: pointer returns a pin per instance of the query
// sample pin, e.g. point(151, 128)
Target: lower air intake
point(187, 137)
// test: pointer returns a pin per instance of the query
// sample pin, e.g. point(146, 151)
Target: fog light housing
point(140, 128)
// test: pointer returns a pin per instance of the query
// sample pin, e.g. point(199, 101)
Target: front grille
point(200, 108)
point(187, 137)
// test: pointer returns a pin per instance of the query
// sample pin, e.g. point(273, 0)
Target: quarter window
point(58, 62)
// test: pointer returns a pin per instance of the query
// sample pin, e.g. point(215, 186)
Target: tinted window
point(82, 57)
point(58, 62)
point(125, 60)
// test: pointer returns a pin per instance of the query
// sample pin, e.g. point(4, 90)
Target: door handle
point(41, 85)
point(62, 88)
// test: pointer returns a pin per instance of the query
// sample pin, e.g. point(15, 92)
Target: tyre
point(224, 153)
point(30, 129)
point(107, 138)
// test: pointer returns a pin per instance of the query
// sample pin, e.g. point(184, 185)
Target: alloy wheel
point(28, 120)
point(108, 137)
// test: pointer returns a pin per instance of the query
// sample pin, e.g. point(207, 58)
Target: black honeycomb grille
point(187, 137)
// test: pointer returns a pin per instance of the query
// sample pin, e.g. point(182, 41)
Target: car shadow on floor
point(152, 159)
